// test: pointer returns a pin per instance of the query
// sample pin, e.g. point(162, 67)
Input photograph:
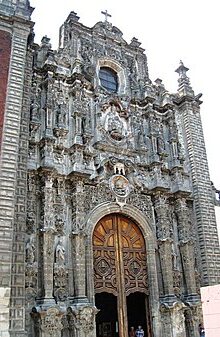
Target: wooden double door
point(120, 277)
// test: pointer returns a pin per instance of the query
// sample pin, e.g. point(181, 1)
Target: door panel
point(119, 262)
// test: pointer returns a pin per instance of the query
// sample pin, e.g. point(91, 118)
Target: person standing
point(139, 332)
point(132, 332)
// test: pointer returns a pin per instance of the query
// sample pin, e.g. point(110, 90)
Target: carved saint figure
point(30, 251)
point(115, 126)
point(160, 144)
point(113, 122)
point(60, 253)
point(174, 258)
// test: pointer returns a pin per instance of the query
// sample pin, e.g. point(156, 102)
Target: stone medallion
point(120, 186)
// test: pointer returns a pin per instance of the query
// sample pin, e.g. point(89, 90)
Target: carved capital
point(51, 322)
point(84, 318)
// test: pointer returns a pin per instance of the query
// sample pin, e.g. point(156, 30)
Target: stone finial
point(135, 43)
point(72, 17)
point(181, 70)
point(183, 80)
point(45, 42)
point(159, 82)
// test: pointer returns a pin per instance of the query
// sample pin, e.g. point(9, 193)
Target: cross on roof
point(106, 15)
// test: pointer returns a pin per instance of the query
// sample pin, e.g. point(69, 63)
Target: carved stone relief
point(89, 146)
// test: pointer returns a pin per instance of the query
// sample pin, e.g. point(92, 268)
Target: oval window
point(108, 79)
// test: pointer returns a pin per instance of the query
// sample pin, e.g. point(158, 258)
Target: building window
point(108, 79)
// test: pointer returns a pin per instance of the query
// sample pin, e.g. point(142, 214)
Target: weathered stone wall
point(17, 32)
point(208, 243)
point(204, 210)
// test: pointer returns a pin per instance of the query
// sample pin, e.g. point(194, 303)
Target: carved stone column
point(186, 245)
point(60, 207)
point(79, 266)
point(49, 82)
point(164, 231)
point(78, 242)
point(31, 204)
point(47, 238)
point(48, 259)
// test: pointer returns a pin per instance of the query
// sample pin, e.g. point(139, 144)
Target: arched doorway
point(120, 277)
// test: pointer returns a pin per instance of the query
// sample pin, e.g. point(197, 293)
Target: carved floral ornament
point(83, 318)
point(51, 322)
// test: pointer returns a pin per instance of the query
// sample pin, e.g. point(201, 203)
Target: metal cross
point(106, 15)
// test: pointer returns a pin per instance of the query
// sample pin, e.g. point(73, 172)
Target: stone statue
point(30, 251)
point(174, 258)
point(115, 126)
point(160, 144)
point(60, 253)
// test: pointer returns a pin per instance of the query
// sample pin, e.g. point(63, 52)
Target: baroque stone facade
point(76, 148)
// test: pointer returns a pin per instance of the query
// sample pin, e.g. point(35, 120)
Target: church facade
point(107, 215)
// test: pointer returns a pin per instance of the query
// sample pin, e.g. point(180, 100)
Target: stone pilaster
point(189, 108)
point(163, 224)
point(79, 266)
point(47, 238)
point(49, 104)
point(186, 245)
point(13, 168)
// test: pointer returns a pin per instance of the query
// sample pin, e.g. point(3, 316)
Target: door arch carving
point(120, 263)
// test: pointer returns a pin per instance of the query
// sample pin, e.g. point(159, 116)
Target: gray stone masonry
point(87, 134)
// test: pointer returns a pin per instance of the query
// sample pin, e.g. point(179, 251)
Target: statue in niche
point(60, 253)
point(133, 78)
point(61, 114)
point(160, 144)
point(35, 111)
point(30, 251)
point(36, 103)
point(139, 133)
point(61, 109)
point(132, 73)
point(115, 125)
point(173, 130)
point(174, 258)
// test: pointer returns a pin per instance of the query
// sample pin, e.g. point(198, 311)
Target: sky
point(170, 31)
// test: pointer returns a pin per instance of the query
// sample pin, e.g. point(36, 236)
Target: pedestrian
point(139, 332)
point(132, 332)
